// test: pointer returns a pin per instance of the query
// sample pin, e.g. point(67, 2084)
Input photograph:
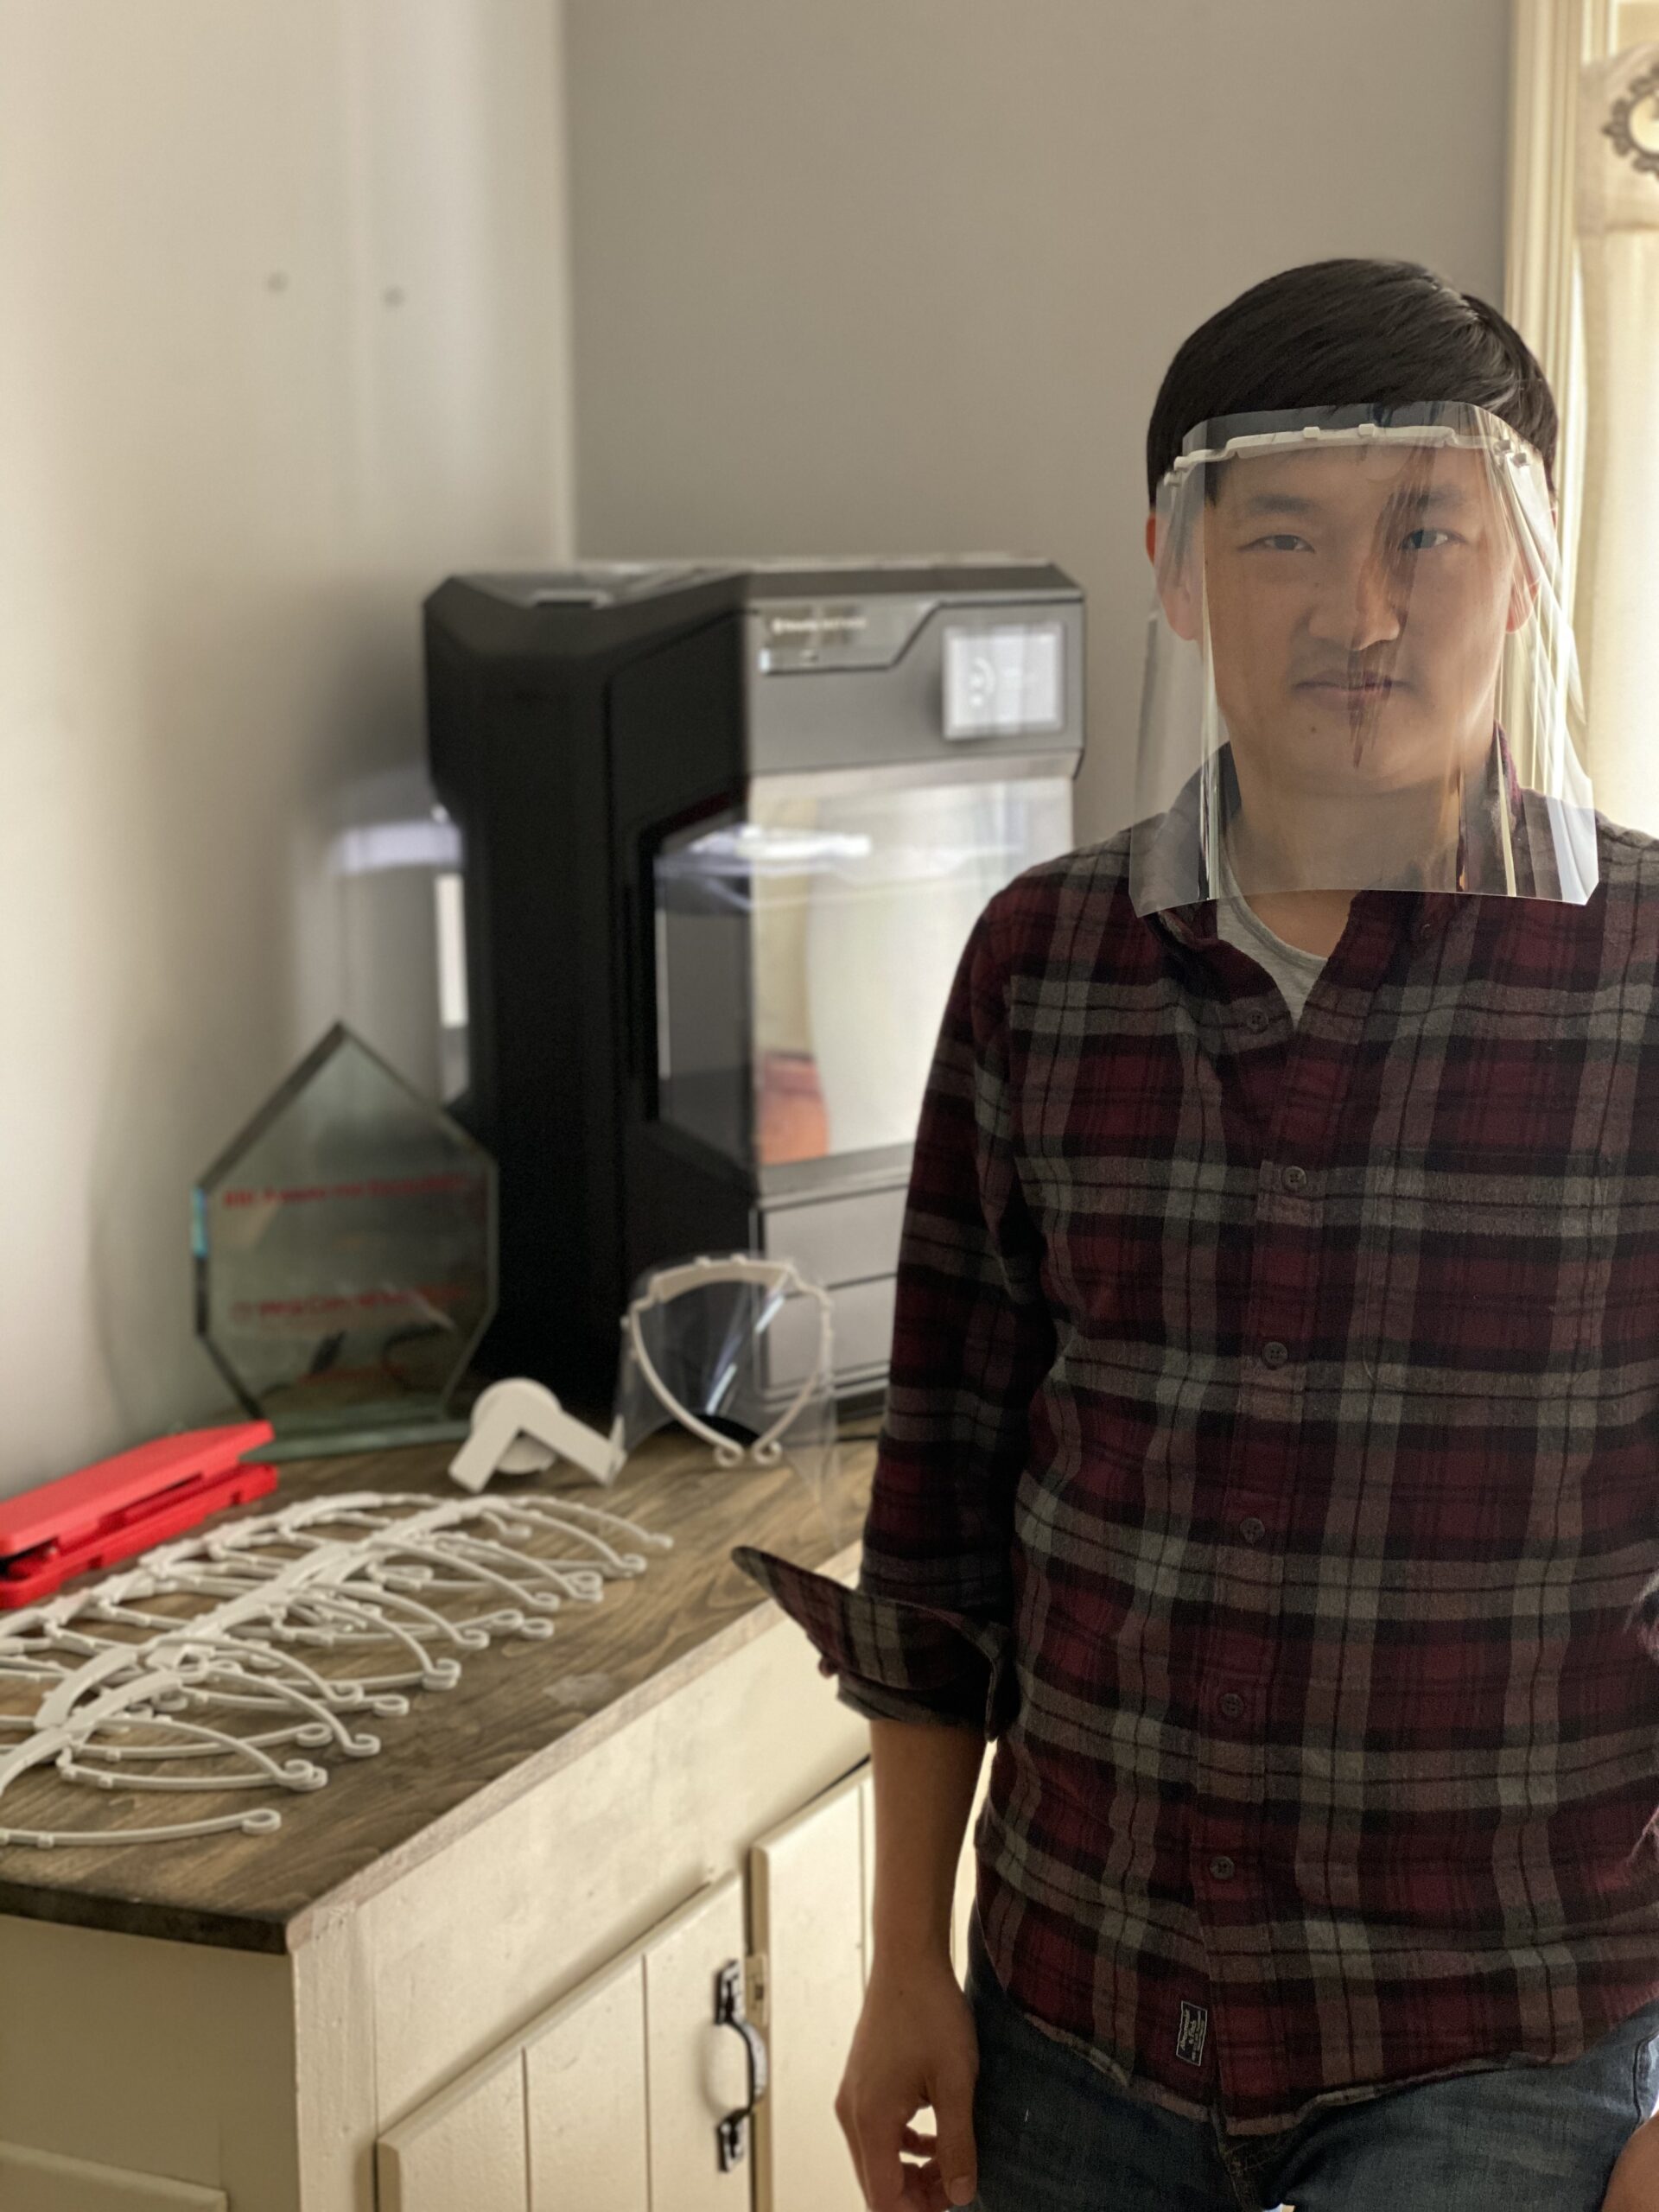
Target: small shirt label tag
point(1189, 2041)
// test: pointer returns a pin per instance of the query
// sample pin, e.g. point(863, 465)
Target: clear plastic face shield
point(1359, 675)
point(739, 1352)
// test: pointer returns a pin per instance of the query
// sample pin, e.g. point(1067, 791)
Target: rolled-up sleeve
point(927, 1634)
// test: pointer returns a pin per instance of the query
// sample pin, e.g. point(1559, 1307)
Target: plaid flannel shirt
point(1271, 1467)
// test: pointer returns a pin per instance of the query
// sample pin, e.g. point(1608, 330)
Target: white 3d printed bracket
point(511, 1415)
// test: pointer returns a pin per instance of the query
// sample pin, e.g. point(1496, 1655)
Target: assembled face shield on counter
point(1359, 673)
point(739, 1352)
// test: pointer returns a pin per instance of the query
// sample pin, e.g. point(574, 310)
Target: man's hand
point(914, 2046)
point(1633, 2185)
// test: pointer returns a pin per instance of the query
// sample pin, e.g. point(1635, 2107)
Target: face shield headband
point(1359, 673)
point(739, 1351)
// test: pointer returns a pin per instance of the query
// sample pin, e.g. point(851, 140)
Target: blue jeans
point(1055, 2134)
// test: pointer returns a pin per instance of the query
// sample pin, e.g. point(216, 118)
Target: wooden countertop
point(521, 1712)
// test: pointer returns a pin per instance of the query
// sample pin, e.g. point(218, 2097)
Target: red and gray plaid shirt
point(1271, 1466)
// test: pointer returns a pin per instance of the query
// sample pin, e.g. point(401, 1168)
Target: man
point(1269, 1464)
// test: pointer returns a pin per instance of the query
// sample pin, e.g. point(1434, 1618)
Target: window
point(1583, 290)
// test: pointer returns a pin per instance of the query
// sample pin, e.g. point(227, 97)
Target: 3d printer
point(724, 833)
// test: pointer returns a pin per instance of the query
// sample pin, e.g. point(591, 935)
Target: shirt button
point(1231, 1704)
point(1252, 1529)
point(1275, 1353)
point(1295, 1178)
point(1256, 1018)
point(1222, 1867)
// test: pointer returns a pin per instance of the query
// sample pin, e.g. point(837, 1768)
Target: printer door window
point(805, 952)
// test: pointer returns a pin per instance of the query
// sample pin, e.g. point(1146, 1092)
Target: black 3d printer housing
point(597, 735)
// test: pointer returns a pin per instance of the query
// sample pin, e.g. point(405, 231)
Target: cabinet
point(608, 2103)
point(478, 1970)
point(809, 1884)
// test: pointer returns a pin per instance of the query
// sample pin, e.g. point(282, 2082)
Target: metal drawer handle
point(732, 2134)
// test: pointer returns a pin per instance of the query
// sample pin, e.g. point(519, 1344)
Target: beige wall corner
point(283, 329)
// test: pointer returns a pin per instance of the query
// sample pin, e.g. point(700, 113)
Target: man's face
point(1358, 599)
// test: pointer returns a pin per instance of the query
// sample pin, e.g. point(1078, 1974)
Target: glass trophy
point(346, 1257)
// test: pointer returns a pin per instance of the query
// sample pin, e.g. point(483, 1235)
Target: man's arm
point(1634, 2185)
point(925, 1779)
point(914, 2046)
point(924, 1647)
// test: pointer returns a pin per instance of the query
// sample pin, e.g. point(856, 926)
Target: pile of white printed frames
point(230, 1661)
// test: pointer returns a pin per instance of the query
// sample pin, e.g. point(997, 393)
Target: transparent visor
point(1359, 675)
point(739, 1351)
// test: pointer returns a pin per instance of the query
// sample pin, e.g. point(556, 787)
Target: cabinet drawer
point(861, 1315)
point(836, 1241)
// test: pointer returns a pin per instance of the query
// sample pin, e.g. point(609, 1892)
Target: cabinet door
point(807, 1896)
point(697, 2071)
point(36, 2180)
point(609, 2103)
point(811, 1882)
point(585, 2099)
point(465, 2146)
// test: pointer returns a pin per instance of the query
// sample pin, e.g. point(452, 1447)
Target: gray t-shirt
point(1295, 972)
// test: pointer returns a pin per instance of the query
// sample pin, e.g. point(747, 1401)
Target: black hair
point(1351, 334)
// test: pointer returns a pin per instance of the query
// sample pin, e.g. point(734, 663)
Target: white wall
point(902, 275)
point(282, 342)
